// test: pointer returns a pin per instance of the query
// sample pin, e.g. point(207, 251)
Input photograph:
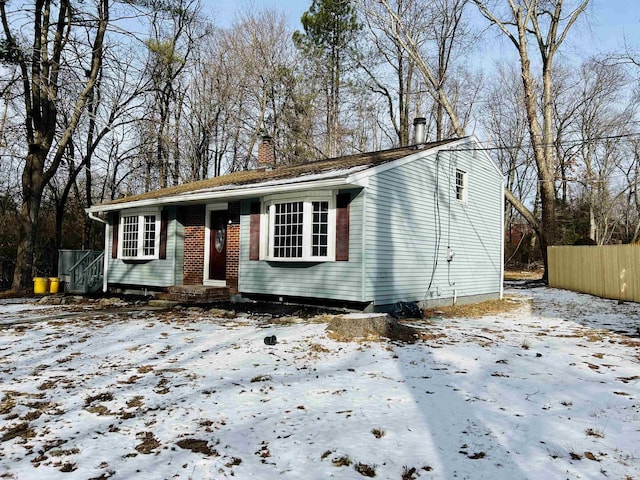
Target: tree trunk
point(28, 228)
point(40, 76)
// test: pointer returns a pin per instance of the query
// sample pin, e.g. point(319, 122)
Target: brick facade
point(193, 219)
point(233, 247)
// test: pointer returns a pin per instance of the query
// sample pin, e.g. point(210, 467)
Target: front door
point(218, 245)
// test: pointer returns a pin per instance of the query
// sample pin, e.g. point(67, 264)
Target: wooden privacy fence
point(610, 271)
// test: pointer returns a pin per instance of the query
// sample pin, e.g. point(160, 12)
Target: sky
point(609, 25)
point(615, 22)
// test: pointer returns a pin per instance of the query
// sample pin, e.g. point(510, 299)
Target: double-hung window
point(300, 229)
point(139, 235)
point(461, 185)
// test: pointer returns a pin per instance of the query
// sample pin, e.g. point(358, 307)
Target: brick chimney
point(266, 153)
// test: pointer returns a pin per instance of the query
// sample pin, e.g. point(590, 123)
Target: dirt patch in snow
point(346, 328)
point(197, 446)
point(149, 443)
point(532, 274)
point(476, 310)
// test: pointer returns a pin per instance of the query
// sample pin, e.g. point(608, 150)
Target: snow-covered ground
point(547, 391)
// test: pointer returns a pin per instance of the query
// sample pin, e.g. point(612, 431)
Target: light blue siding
point(400, 225)
point(412, 216)
point(152, 273)
point(331, 280)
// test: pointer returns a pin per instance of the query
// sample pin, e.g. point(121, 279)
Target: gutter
point(238, 193)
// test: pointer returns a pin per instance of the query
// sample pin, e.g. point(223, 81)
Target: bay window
point(300, 229)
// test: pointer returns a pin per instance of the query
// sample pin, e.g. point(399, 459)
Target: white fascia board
point(226, 194)
point(359, 178)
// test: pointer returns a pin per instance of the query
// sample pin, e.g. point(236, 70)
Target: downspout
point(105, 267)
point(363, 273)
point(97, 219)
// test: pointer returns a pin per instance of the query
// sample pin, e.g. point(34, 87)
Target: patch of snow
point(11, 311)
point(546, 391)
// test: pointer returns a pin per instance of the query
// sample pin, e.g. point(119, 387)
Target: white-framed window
point(300, 228)
point(461, 185)
point(139, 235)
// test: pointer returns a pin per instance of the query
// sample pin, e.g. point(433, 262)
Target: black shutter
point(342, 226)
point(115, 227)
point(254, 231)
point(164, 225)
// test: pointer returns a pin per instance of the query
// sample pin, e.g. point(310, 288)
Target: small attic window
point(461, 185)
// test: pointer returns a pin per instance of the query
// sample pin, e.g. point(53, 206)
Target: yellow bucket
point(40, 285)
point(54, 284)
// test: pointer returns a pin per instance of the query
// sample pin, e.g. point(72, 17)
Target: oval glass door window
point(220, 238)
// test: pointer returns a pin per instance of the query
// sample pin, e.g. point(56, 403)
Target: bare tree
point(602, 121)
point(110, 106)
point(446, 24)
point(631, 173)
point(174, 30)
point(504, 117)
point(546, 24)
point(381, 52)
point(50, 26)
point(246, 83)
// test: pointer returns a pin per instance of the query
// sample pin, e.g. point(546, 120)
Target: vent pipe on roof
point(419, 131)
point(266, 153)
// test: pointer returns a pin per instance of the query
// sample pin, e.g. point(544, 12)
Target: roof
point(281, 175)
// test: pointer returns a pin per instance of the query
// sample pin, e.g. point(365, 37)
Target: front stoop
point(195, 294)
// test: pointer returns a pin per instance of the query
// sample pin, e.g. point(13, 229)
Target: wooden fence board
point(610, 271)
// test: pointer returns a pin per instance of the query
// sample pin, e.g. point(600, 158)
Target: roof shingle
point(248, 177)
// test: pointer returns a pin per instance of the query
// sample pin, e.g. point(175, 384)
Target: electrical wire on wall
point(453, 165)
point(438, 232)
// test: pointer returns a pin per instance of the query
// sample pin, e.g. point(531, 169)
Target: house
point(421, 224)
